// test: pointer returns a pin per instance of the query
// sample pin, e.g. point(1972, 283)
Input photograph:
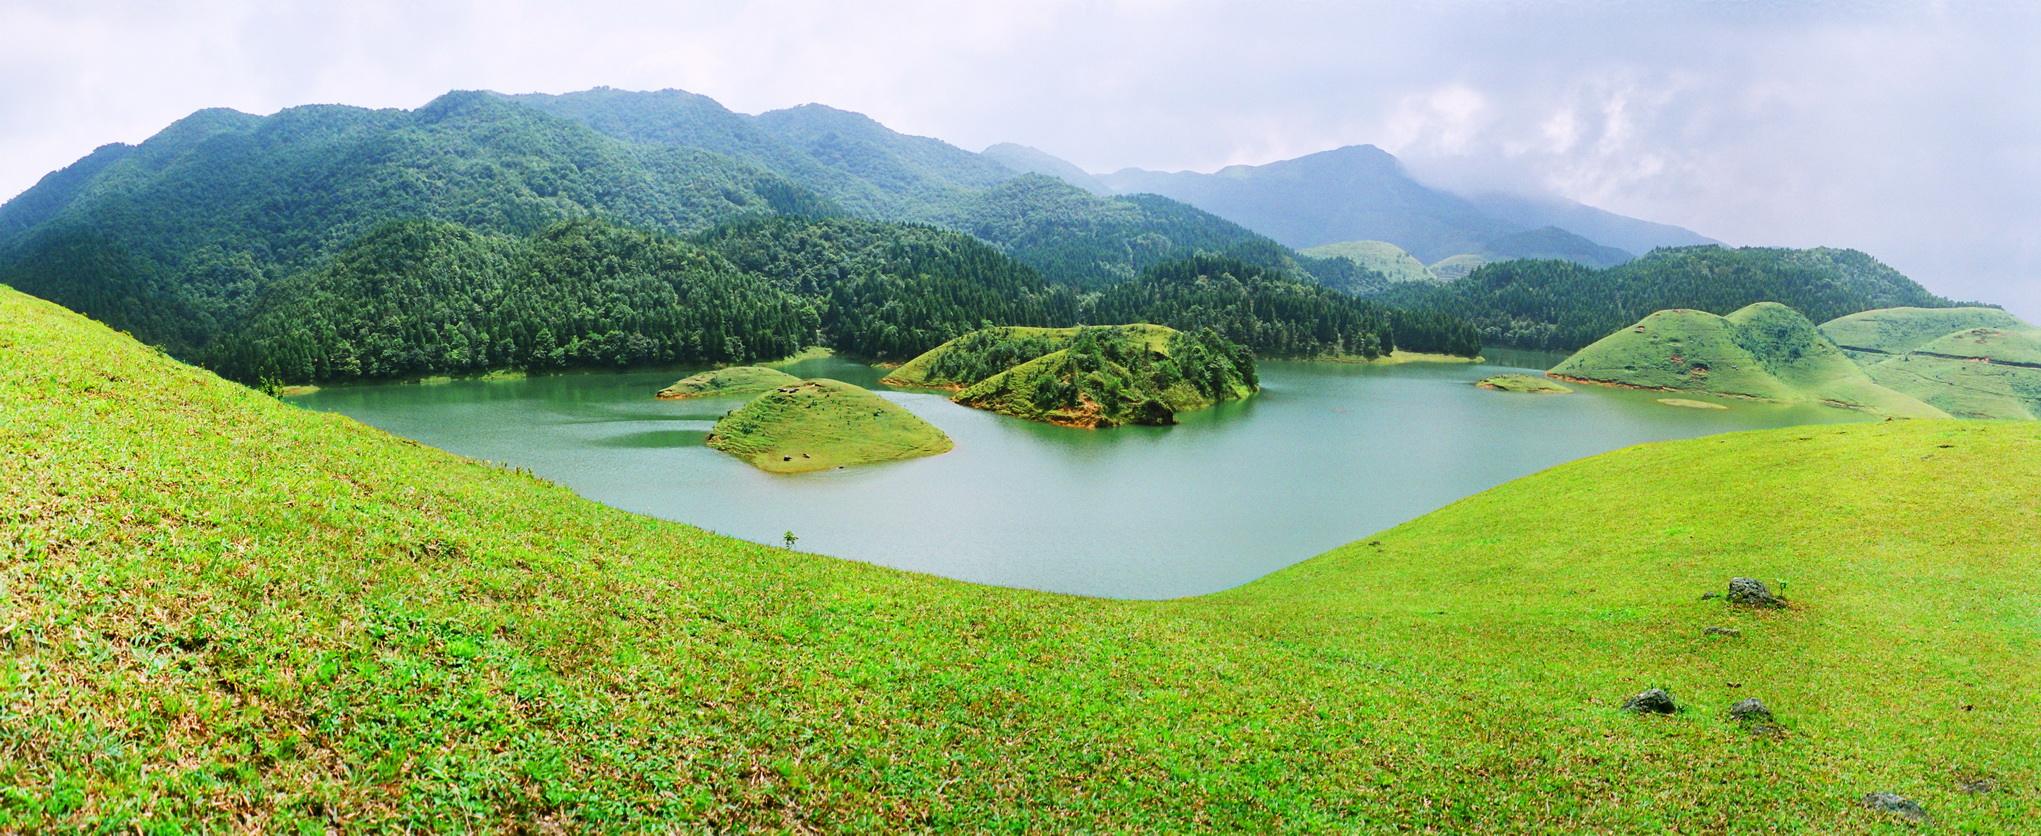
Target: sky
point(1909, 130)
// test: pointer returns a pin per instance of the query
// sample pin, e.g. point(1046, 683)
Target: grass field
point(1765, 351)
point(1380, 256)
point(736, 380)
point(1968, 362)
point(824, 424)
point(218, 611)
point(1900, 330)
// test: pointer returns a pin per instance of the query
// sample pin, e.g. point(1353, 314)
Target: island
point(1526, 383)
point(736, 380)
point(824, 424)
point(1089, 377)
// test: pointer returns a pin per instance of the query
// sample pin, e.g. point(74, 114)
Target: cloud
point(1907, 130)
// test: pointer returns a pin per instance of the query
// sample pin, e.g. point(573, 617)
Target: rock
point(1731, 632)
point(1710, 596)
point(1979, 786)
point(1752, 592)
point(1653, 701)
point(1750, 710)
point(1897, 805)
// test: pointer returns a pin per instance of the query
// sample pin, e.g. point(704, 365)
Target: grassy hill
point(1765, 351)
point(1869, 334)
point(1453, 268)
point(223, 612)
point(1380, 256)
point(823, 424)
point(1101, 376)
point(736, 380)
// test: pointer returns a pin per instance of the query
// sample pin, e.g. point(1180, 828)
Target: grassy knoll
point(1765, 351)
point(1380, 256)
point(1456, 267)
point(218, 610)
point(1976, 373)
point(822, 424)
point(736, 380)
point(988, 351)
point(1870, 335)
point(1526, 383)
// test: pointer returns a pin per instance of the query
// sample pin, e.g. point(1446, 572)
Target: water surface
point(1326, 454)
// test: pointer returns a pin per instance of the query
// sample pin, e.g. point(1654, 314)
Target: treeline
point(1273, 314)
point(428, 297)
point(1562, 306)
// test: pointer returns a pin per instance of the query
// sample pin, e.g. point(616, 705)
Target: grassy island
point(736, 380)
point(823, 424)
point(1526, 383)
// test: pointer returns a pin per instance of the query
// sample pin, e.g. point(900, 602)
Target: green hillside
point(736, 380)
point(1562, 306)
point(1886, 331)
point(1766, 351)
point(1090, 377)
point(823, 424)
point(223, 612)
point(1975, 373)
point(1453, 268)
point(1380, 256)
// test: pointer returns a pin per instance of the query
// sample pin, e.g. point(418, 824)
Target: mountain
point(1562, 306)
point(1023, 159)
point(1361, 192)
point(228, 612)
point(174, 238)
point(1765, 351)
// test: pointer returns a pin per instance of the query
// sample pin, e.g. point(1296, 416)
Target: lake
point(1326, 454)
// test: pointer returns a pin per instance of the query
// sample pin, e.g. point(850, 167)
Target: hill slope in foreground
point(1766, 351)
point(220, 608)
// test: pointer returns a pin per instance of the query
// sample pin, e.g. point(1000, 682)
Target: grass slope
point(1869, 335)
point(1090, 377)
point(1456, 267)
point(1975, 373)
point(736, 380)
point(1380, 256)
point(823, 424)
point(219, 611)
point(1766, 351)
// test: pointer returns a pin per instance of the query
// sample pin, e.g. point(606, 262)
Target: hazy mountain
point(1602, 227)
point(1026, 160)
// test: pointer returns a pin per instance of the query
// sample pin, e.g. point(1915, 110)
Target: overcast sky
point(1910, 130)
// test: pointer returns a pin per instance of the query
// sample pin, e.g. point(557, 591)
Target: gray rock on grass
point(1652, 701)
point(1750, 710)
point(1895, 804)
point(1751, 592)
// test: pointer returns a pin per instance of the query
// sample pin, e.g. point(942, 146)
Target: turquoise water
point(1325, 455)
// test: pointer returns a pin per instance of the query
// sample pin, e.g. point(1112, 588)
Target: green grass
point(1380, 256)
point(219, 611)
point(736, 380)
point(1765, 351)
point(1526, 383)
point(921, 371)
point(1892, 331)
point(1976, 373)
point(824, 424)
point(1090, 377)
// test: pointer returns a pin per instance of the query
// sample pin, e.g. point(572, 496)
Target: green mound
point(222, 612)
point(1456, 267)
point(1976, 373)
point(1765, 351)
point(823, 424)
point(1090, 377)
point(1380, 256)
point(1532, 384)
point(737, 380)
point(1869, 336)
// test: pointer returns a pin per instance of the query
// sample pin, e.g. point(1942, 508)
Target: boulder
point(1750, 710)
point(1652, 701)
point(1751, 592)
point(1897, 805)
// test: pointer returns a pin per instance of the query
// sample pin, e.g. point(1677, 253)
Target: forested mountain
point(173, 238)
point(1274, 314)
point(1561, 306)
point(426, 297)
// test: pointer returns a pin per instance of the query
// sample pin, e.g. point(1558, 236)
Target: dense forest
point(1562, 306)
point(1274, 314)
point(1104, 377)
